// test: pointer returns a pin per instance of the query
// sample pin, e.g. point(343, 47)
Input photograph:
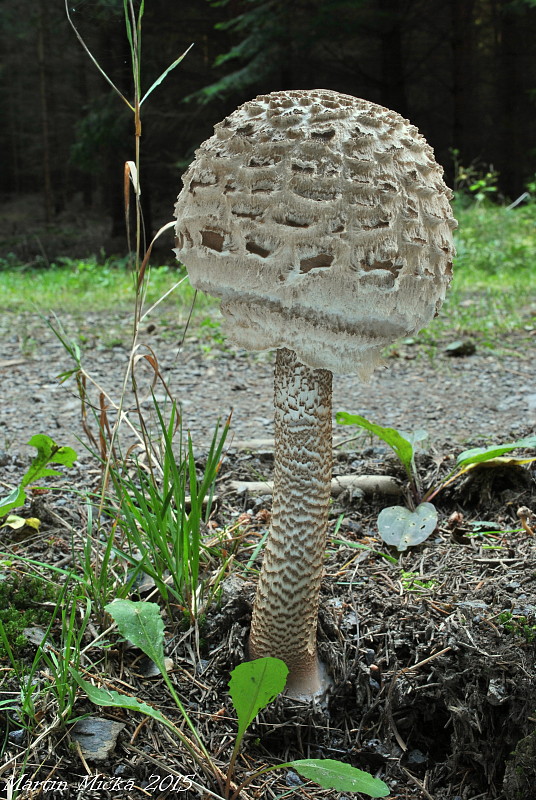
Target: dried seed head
point(322, 222)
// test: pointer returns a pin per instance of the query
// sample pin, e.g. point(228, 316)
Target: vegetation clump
point(22, 605)
point(518, 625)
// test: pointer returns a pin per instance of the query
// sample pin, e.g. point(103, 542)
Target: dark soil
point(432, 657)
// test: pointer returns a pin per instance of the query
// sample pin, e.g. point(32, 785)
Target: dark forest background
point(463, 71)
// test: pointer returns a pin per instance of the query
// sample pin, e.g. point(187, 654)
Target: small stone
point(36, 636)
point(416, 757)
point(497, 694)
point(377, 747)
point(97, 737)
point(293, 779)
point(17, 737)
point(149, 669)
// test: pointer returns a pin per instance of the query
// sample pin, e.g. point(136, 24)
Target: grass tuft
point(70, 286)
point(494, 286)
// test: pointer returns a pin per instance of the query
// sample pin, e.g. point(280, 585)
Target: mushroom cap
point(322, 222)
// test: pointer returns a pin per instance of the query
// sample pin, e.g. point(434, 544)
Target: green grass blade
point(193, 527)
point(93, 59)
point(166, 72)
point(359, 546)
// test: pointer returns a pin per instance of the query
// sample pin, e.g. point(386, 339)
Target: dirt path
point(487, 395)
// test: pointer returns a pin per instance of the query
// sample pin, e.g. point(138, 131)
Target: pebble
point(456, 398)
point(293, 779)
point(416, 757)
point(17, 737)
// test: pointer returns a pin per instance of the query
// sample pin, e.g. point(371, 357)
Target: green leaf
point(15, 499)
point(479, 454)
point(403, 528)
point(108, 697)
point(47, 451)
point(331, 774)
point(140, 622)
point(402, 447)
point(48, 448)
point(253, 685)
point(359, 546)
point(415, 437)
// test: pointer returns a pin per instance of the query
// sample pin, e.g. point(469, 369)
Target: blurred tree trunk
point(463, 70)
point(463, 54)
point(85, 179)
point(516, 95)
point(42, 52)
point(393, 65)
point(13, 170)
point(118, 148)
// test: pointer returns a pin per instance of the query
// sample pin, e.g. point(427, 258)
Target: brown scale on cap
point(323, 224)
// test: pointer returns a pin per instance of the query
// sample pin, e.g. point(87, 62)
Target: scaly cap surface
point(322, 222)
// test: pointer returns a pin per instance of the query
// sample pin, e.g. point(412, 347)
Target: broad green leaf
point(479, 454)
point(403, 528)
point(47, 451)
point(15, 499)
point(53, 452)
point(108, 697)
point(402, 447)
point(331, 774)
point(253, 685)
point(141, 624)
point(415, 437)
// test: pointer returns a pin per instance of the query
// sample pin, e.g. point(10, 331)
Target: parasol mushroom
point(323, 224)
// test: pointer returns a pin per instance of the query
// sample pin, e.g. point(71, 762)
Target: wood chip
point(13, 362)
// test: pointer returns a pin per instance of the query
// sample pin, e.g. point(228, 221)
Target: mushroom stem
point(286, 604)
